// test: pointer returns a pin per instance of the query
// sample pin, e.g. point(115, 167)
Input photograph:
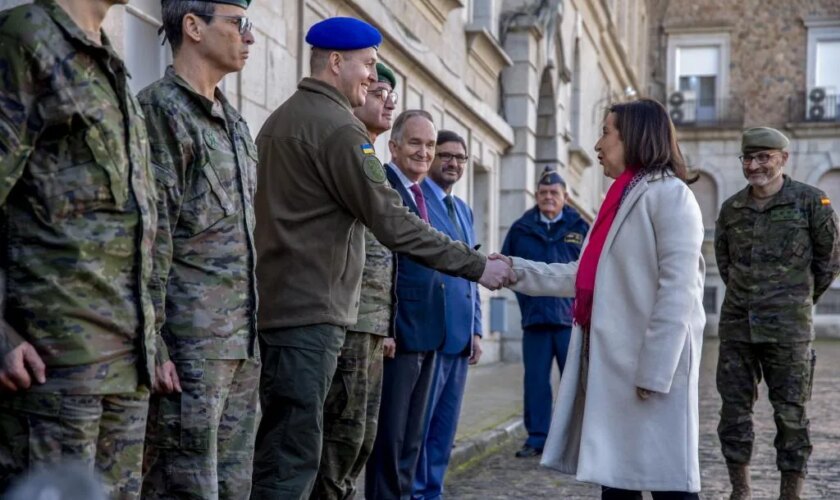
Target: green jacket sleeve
point(722, 251)
point(170, 163)
point(826, 244)
point(357, 180)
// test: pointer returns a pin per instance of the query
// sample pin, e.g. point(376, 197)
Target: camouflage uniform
point(776, 261)
point(200, 442)
point(78, 212)
point(352, 406)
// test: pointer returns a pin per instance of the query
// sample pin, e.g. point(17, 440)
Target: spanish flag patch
point(825, 201)
point(367, 149)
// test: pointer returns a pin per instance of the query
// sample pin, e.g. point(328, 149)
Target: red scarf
point(588, 267)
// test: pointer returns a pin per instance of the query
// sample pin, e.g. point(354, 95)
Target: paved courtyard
point(500, 475)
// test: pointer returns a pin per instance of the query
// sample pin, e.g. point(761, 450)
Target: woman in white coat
point(626, 413)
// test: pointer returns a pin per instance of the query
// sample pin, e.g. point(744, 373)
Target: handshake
point(498, 272)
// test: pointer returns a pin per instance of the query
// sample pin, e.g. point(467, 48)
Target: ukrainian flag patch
point(367, 149)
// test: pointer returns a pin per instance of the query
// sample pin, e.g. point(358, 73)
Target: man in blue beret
point(203, 413)
point(552, 231)
point(320, 185)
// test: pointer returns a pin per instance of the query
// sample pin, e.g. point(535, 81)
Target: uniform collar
point(324, 88)
point(206, 104)
point(63, 20)
point(783, 197)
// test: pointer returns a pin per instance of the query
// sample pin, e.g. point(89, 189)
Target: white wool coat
point(646, 331)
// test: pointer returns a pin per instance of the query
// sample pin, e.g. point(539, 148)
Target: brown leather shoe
point(739, 477)
point(791, 487)
point(528, 451)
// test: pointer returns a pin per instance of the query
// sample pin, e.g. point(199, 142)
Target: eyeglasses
point(447, 157)
point(761, 158)
point(386, 95)
point(245, 24)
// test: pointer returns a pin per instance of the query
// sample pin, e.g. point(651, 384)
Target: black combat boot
point(739, 477)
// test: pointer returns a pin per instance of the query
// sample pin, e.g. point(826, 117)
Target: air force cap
point(343, 33)
point(550, 176)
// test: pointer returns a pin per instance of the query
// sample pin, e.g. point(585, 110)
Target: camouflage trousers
point(351, 413)
point(788, 370)
point(200, 443)
point(104, 432)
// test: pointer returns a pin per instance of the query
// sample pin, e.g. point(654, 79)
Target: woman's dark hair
point(649, 137)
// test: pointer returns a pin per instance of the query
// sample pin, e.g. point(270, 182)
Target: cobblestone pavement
point(500, 475)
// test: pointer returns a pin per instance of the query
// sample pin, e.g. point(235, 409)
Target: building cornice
point(485, 51)
point(437, 11)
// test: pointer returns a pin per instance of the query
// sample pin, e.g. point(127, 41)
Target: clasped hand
point(498, 272)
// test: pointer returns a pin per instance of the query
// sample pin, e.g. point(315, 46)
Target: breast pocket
point(206, 203)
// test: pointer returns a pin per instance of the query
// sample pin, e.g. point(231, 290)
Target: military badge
point(367, 149)
point(574, 238)
point(825, 201)
point(374, 170)
point(210, 139)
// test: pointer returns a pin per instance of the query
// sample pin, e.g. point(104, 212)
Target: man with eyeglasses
point(352, 406)
point(203, 415)
point(778, 251)
point(552, 231)
point(462, 336)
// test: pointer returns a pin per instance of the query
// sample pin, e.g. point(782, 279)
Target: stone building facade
point(524, 81)
point(735, 64)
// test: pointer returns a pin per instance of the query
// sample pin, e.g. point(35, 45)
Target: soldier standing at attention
point(351, 410)
point(777, 249)
point(320, 184)
point(78, 217)
point(203, 420)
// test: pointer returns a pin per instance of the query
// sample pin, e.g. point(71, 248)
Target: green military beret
point(761, 139)
point(384, 74)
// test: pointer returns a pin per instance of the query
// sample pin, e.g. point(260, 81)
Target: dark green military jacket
point(77, 203)
point(320, 185)
point(376, 300)
point(776, 262)
point(205, 166)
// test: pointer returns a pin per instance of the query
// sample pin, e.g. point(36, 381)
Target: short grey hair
point(173, 12)
point(399, 123)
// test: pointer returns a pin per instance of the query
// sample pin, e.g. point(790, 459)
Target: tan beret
point(761, 139)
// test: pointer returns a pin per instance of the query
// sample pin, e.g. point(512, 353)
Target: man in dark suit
point(419, 325)
point(462, 345)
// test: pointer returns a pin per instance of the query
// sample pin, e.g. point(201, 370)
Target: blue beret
point(550, 176)
point(343, 33)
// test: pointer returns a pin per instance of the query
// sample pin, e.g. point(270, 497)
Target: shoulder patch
point(367, 149)
point(373, 169)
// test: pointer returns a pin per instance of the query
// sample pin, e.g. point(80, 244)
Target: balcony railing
point(815, 106)
point(705, 112)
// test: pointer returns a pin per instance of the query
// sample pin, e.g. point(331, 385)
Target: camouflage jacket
point(376, 300)
point(776, 261)
point(78, 209)
point(205, 167)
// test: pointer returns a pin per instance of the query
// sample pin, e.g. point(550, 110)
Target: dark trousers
point(618, 494)
point(788, 369)
point(541, 346)
point(442, 422)
point(298, 367)
point(351, 413)
point(406, 384)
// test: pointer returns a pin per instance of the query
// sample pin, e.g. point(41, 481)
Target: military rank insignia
point(574, 238)
point(367, 149)
point(825, 201)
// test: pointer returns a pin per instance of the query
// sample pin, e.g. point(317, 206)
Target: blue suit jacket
point(419, 312)
point(463, 303)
